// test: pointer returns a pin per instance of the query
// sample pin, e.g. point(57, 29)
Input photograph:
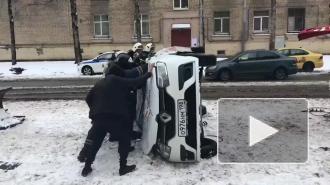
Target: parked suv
point(256, 63)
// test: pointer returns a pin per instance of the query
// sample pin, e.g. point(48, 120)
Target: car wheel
point(280, 74)
point(225, 75)
point(308, 67)
point(208, 148)
point(87, 70)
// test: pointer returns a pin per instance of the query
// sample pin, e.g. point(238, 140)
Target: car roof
point(255, 50)
point(293, 48)
point(301, 49)
point(108, 52)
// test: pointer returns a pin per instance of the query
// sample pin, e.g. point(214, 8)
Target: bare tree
point(75, 32)
point(202, 25)
point(12, 33)
point(137, 18)
point(245, 30)
point(272, 25)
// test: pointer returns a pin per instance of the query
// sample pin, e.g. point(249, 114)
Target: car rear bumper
point(319, 64)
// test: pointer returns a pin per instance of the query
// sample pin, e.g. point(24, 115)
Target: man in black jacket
point(109, 110)
point(130, 71)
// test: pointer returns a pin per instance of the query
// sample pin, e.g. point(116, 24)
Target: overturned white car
point(172, 119)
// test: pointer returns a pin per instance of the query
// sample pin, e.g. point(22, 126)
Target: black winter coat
point(111, 95)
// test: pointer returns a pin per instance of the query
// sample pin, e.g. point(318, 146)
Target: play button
point(263, 131)
point(258, 131)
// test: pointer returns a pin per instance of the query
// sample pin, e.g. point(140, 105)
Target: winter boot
point(126, 169)
point(86, 170)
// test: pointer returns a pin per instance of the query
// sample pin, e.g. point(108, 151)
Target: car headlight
point(162, 75)
point(212, 68)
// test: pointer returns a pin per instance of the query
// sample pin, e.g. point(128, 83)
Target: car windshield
point(106, 56)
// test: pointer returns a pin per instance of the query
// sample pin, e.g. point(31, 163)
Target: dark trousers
point(117, 126)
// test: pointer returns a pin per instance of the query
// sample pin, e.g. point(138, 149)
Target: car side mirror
point(162, 75)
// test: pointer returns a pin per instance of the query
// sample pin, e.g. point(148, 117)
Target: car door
point(268, 62)
point(300, 55)
point(247, 65)
point(102, 62)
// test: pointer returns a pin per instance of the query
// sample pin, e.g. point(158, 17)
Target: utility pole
point(137, 16)
point(201, 24)
point(272, 25)
point(245, 30)
point(12, 33)
point(75, 32)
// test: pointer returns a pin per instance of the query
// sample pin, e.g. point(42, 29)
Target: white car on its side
point(96, 65)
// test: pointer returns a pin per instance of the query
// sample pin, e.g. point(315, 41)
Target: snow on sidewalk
point(36, 70)
point(48, 142)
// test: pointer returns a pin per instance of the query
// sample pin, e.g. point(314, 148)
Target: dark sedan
point(251, 64)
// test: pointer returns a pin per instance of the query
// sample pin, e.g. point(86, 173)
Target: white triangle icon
point(259, 131)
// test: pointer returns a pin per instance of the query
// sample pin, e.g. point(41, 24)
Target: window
point(285, 52)
point(101, 26)
point(296, 19)
point(248, 56)
point(180, 4)
point(298, 52)
point(261, 21)
point(221, 22)
point(106, 56)
point(145, 27)
point(266, 55)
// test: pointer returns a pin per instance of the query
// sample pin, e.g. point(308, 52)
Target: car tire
point(208, 148)
point(225, 75)
point(280, 74)
point(308, 67)
point(87, 70)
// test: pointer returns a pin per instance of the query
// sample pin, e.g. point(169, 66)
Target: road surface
point(297, 86)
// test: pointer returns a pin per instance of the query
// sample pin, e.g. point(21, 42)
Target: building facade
point(43, 27)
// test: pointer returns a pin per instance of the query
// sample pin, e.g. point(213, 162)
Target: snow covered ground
point(67, 69)
point(35, 70)
point(48, 142)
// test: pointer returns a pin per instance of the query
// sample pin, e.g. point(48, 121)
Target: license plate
point(182, 114)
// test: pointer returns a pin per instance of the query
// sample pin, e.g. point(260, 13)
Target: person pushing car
point(109, 110)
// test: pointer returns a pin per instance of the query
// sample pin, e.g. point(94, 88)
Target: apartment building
point(43, 27)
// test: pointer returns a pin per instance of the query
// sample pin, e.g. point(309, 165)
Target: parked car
point(96, 65)
point(306, 60)
point(257, 63)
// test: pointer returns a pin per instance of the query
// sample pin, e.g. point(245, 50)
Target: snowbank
point(54, 69)
point(326, 64)
point(48, 142)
